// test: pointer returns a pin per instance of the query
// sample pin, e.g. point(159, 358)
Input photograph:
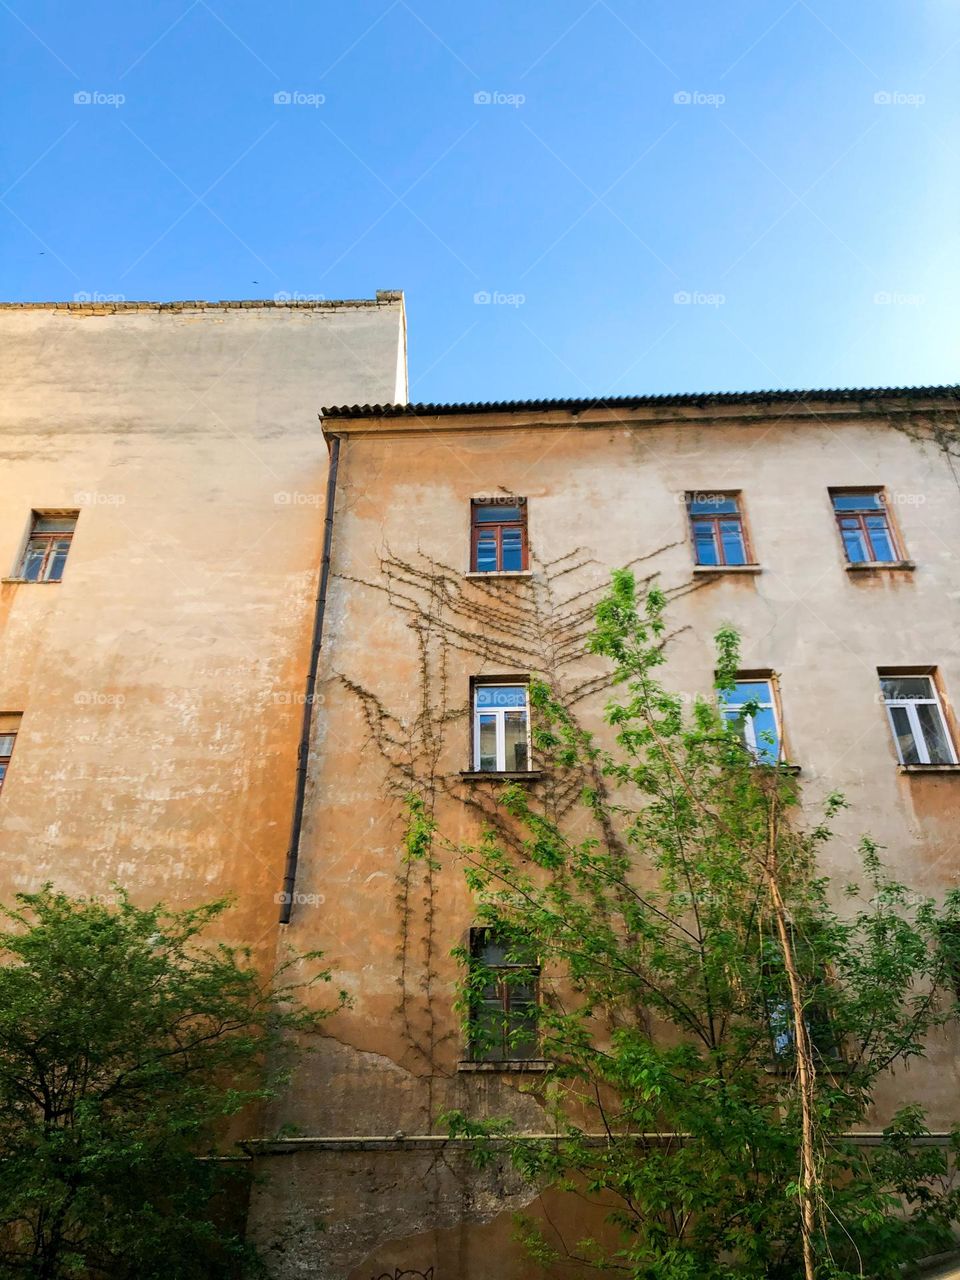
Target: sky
point(578, 197)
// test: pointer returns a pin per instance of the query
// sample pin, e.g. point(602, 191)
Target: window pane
point(747, 691)
point(731, 532)
point(857, 502)
point(486, 554)
point(904, 735)
point(735, 719)
point(712, 504)
point(853, 541)
point(488, 743)
point(522, 1037)
point(55, 524)
point(33, 560)
point(58, 559)
point(880, 538)
point(501, 695)
point(906, 688)
point(768, 740)
point(488, 1026)
point(512, 544)
point(934, 733)
point(6, 743)
point(496, 515)
point(515, 735)
point(704, 542)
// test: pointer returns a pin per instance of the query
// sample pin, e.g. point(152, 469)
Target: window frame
point(893, 532)
point(512, 682)
point(750, 733)
point(909, 705)
point(481, 936)
point(479, 527)
point(38, 514)
point(10, 722)
point(698, 519)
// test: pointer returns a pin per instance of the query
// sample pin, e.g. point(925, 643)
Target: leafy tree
point(717, 1014)
point(126, 1046)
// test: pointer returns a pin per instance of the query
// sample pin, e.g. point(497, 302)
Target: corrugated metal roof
point(639, 402)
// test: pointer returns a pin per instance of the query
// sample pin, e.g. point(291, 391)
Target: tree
point(717, 1013)
point(126, 1046)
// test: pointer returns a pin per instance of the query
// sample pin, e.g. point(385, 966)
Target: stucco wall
point(161, 681)
point(406, 631)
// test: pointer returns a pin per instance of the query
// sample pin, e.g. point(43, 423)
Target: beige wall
point(161, 681)
point(603, 490)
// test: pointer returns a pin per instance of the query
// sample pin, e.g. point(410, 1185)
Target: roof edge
point(695, 399)
point(109, 303)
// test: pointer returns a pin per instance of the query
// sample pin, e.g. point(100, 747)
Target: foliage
point(126, 1046)
point(718, 1015)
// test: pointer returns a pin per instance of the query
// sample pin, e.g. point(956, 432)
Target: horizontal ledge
point(928, 768)
point(35, 582)
point(727, 568)
point(437, 1142)
point(538, 1065)
point(490, 775)
point(501, 573)
point(869, 566)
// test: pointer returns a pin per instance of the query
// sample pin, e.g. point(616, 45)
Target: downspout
point(303, 753)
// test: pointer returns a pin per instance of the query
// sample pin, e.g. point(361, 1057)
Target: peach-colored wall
point(603, 490)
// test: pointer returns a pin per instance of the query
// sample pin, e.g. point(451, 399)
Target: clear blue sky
point(814, 226)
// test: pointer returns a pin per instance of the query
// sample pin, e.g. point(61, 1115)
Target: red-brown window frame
point(50, 538)
point(477, 527)
point(9, 728)
point(893, 532)
point(699, 518)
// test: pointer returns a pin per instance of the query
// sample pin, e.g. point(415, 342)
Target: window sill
point(703, 569)
point(492, 775)
point(928, 768)
point(871, 566)
point(513, 1065)
point(500, 573)
point(33, 582)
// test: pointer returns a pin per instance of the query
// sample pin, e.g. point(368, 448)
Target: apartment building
point(161, 529)
point(468, 546)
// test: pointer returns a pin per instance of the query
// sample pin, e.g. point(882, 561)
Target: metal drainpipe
point(303, 753)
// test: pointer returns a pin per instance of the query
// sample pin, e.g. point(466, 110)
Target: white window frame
point(500, 713)
point(910, 706)
point(749, 726)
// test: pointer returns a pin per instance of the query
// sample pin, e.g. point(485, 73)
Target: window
point(504, 998)
point(779, 1010)
point(501, 728)
point(46, 550)
point(716, 523)
point(865, 526)
point(760, 729)
point(9, 724)
point(916, 719)
point(499, 535)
